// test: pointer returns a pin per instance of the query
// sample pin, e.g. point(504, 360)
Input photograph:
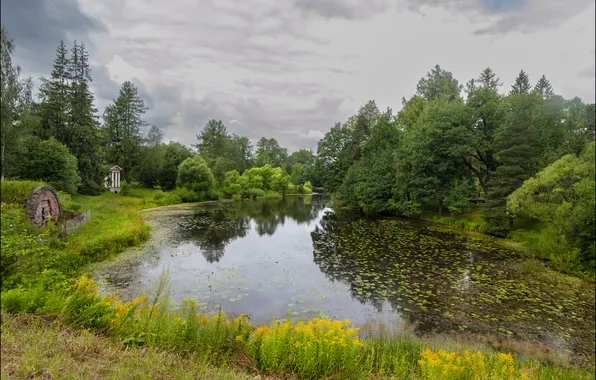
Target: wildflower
point(505, 357)
point(239, 338)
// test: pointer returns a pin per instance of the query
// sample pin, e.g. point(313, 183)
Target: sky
point(291, 69)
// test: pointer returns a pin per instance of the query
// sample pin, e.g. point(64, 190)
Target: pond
point(298, 257)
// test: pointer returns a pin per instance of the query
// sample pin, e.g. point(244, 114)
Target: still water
point(298, 257)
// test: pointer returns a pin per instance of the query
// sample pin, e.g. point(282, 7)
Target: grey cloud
point(525, 16)
point(38, 26)
point(588, 72)
point(341, 8)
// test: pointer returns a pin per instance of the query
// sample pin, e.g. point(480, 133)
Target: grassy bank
point(318, 348)
point(38, 347)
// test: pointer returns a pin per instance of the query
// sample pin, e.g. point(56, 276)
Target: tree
point(242, 153)
point(195, 175)
point(487, 114)
point(154, 136)
point(521, 84)
point(369, 183)
point(270, 152)
point(328, 165)
point(544, 88)
point(122, 128)
point(516, 156)
point(82, 123)
point(14, 100)
point(562, 198)
point(151, 165)
point(438, 83)
point(174, 155)
point(52, 162)
point(213, 141)
point(54, 94)
point(432, 154)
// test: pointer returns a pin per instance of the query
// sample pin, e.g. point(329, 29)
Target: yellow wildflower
point(505, 357)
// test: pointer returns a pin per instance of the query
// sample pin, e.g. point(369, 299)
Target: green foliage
point(269, 152)
point(24, 246)
point(122, 129)
point(561, 197)
point(458, 198)
point(516, 156)
point(195, 175)
point(174, 155)
point(256, 182)
point(51, 162)
point(125, 188)
point(17, 191)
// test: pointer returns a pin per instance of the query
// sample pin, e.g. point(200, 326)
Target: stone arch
point(41, 203)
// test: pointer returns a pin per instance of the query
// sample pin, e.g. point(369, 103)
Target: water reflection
point(213, 227)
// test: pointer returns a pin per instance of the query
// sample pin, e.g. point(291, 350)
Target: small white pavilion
point(112, 181)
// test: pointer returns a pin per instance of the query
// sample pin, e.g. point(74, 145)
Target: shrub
point(158, 195)
point(195, 175)
point(307, 188)
point(51, 162)
point(187, 195)
point(170, 198)
point(255, 193)
point(125, 188)
point(17, 191)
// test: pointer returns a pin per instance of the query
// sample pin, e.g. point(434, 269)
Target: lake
point(298, 257)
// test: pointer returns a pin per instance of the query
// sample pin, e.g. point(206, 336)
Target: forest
point(63, 140)
point(522, 160)
point(520, 157)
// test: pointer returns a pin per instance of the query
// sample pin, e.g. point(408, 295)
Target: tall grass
point(319, 348)
point(17, 191)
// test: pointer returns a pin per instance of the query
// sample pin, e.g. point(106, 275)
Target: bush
point(186, 195)
point(195, 175)
point(307, 188)
point(125, 188)
point(17, 191)
point(255, 193)
point(51, 162)
point(272, 195)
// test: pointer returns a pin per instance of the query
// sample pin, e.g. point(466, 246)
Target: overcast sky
point(290, 69)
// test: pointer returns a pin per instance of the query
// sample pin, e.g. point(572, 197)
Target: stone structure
point(43, 205)
point(112, 181)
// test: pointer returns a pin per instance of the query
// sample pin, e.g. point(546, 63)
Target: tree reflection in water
point(213, 227)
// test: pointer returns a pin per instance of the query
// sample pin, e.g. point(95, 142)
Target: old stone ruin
point(43, 205)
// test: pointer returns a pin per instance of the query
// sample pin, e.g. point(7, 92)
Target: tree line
point(62, 140)
point(451, 146)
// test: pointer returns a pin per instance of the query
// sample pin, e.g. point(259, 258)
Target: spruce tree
point(521, 84)
point(55, 110)
point(122, 128)
point(516, 153)
point(544, 88)
point(83, 121)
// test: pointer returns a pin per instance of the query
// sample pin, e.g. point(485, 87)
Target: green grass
point(17, 191)
point(471, 220)
point(37, 347)
point(319, 348)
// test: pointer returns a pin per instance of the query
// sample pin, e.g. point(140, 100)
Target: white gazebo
point(112, 181)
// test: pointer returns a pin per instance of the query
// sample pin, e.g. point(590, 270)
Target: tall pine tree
point(122, 128)
point(521, 84)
